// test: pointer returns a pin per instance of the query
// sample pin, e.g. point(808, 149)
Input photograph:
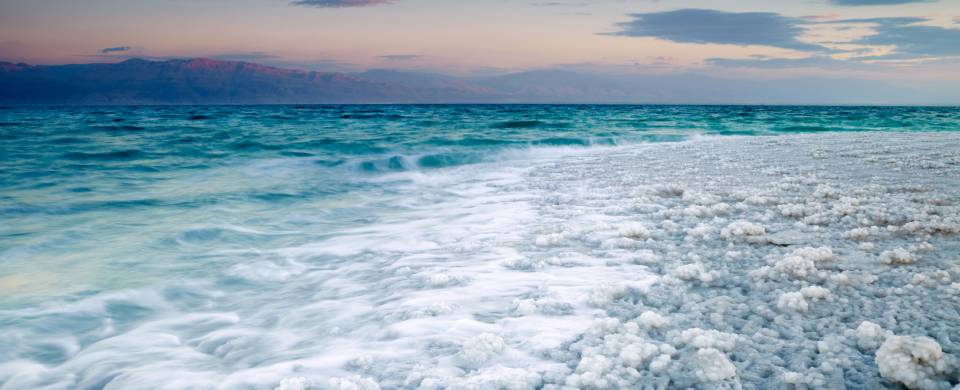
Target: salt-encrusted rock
point(701, 232)
point(802, 262)
point(817, 255)
point(651, 319)
point(523, 263)
point(898, 256)
point(696, 211)
point(796, 267)
point(637, 354)
point(634, 231)
point(440, 280)
point(547, 240)
point(703, 338)
point(792, 210)
point(499, 378)
point(955, 287)
point(742, 229)
point(296, 383)
point(756, 200)
point(711, 365)
point(931, 227)
point(660, 363)
point(794, 378)
point(721, 209)
point(591, 373)
point(858, 234)
point(825, 191)
point(479, 350)
point(915, 361)
point(694, 272)
point(815, 292)
point(792, 301)
point(355, 382)
point(869, 336)
point(645, 256)
point(602, 295)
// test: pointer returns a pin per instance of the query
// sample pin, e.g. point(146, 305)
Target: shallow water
point(446, 246)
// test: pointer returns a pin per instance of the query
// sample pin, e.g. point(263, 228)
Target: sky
point(878, 39)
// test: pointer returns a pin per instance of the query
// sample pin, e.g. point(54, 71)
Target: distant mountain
point(206, 81)
point(442, 88)
point(195, 81)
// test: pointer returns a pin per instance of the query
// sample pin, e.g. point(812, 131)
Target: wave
point(63, 209)
point(117, 127)
point(563, 141)
point(454, 153)
point(803, 129)
point(520, 124)
point(528, 124)
point(125, 154)
point(68, 140)
point(249, 145)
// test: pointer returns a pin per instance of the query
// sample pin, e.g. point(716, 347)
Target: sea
point(440, 246)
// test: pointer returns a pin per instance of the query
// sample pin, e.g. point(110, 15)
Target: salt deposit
point(793, 284)
point(917, 362)
point(794, 301)
point(898, 256)
point(742, 229)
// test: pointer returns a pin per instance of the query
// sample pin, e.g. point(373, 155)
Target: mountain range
point(207, 81)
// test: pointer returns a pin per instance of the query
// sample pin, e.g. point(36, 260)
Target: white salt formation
point(870, 336)
point(742, 229)
point(917, 362)
point(479, 350)
point(898, 256)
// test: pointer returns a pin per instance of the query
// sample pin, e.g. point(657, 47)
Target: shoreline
point(719, 261)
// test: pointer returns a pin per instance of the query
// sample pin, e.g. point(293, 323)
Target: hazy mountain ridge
point(206, 81)
point(194, 81)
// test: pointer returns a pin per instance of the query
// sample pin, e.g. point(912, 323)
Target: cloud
point(558, 4)
point(115, 49)
point(877, 2)
point(719, 27)
point(564, 5)
point(910, 38)
point(649, 64)
point(907, 38)
point(339, 3)
point(762, 62)
point(401, 57)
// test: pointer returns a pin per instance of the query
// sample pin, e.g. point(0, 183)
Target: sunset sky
point(866, 38)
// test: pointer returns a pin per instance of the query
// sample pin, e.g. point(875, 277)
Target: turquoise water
point(115, 218)
point(104, 198)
